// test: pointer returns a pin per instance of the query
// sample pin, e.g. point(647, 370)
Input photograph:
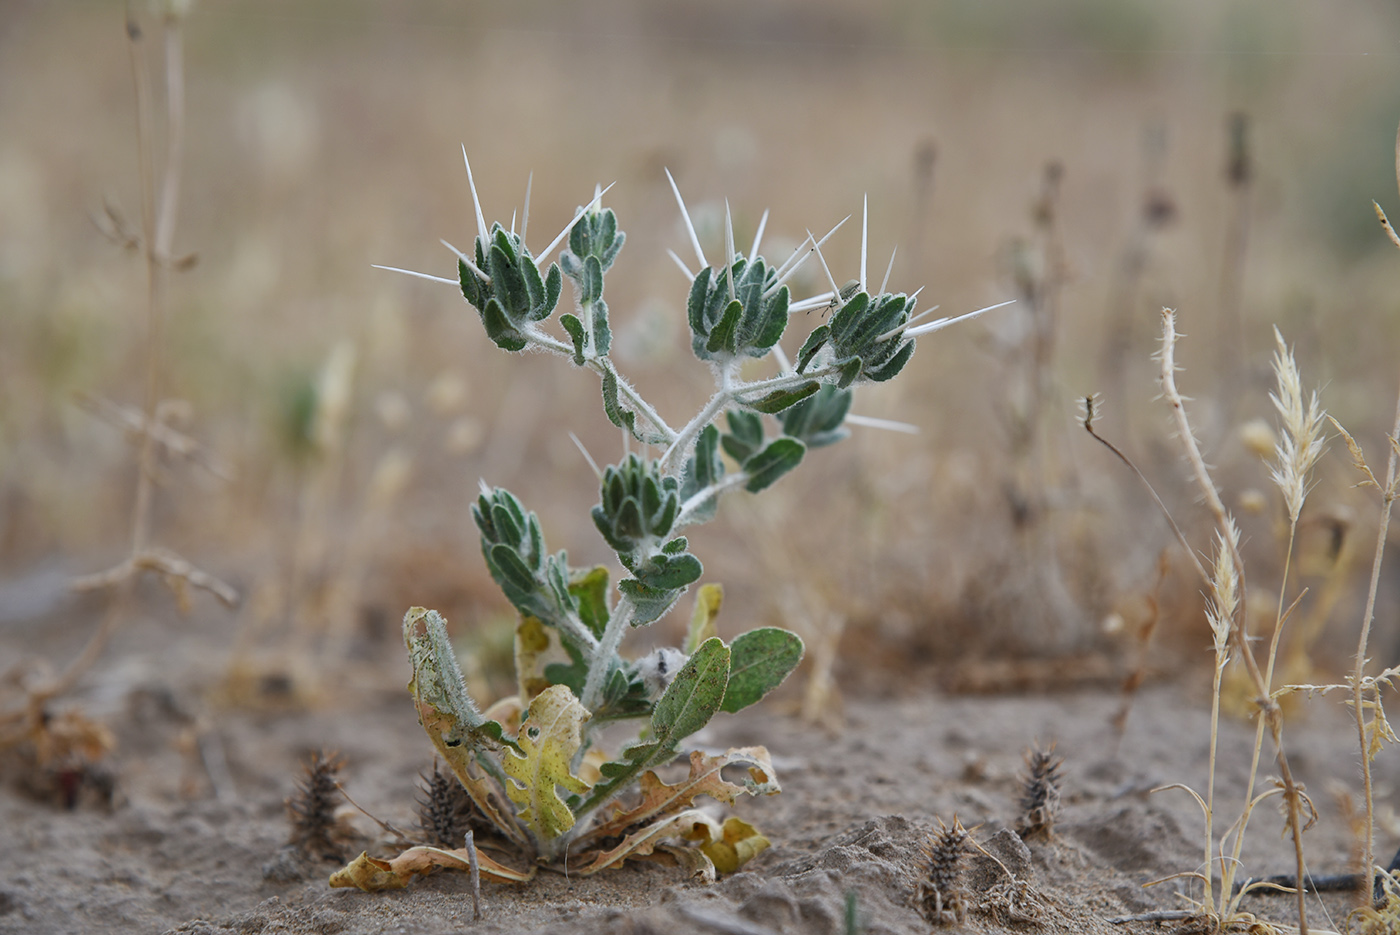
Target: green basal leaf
point(694, 695)
point(759, 662)
point(780, 456)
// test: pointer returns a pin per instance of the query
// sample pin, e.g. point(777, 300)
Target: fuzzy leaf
point(759, 662)
point(708, 599)
point(687, 705)
point(590, 588)
point(723, 336)
point(591, 286)
point(780, 456)
point(602, 334)
point(650, 604)
point(778, 400)
point(814, 343)
point(622, 418)
point(745, 435)
point(575, 329)
point(550, 734)
point(695, 694)
point(450, 718)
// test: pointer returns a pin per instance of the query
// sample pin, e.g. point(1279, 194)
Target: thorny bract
point(534, 764)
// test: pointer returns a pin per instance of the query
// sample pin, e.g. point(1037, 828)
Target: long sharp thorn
point(887, 424)
point(570, 226)
point(888, 269)
point(525, 219)
point(758, 235)
point(694, 240)
point(729, 248)
point(681, 263)
point(942, 323)
point(784, 365)
point(835, 289)
point(467, 260)
point(864, 237)
point(476, 200)
point(586, 456)
point(792, 258)
point(512, 222)
point(924, 314)
point(409, 272)
point(816, 248)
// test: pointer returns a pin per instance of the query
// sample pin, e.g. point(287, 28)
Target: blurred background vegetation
point(1096, 159)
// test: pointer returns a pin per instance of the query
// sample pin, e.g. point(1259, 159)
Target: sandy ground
point(173, 853)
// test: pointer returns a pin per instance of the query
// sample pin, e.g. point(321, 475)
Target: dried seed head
point(311, 809)
point(1300, 444)
point(1224, 589)
point(445, 811)
point(939, 897)
point(1040, 793)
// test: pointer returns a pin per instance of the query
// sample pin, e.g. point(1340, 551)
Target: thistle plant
point(535, 765)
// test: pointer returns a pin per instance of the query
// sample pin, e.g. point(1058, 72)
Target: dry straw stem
point(1357, 679)
point(1295, 799)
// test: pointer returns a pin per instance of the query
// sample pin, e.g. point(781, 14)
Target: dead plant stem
point(1359, 670)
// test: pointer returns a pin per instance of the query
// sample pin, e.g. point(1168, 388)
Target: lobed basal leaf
point(550, 734)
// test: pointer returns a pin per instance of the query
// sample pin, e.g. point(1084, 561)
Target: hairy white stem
point(618, 623)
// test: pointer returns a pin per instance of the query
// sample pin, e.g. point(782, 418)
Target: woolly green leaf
point(814, 343)
point(745, 435)
point(778, 400)
point(649, 604)
point(780, 456)
point(575, 328)
point(590, 589)
point(499, 328)
point(891, 368)
point(602, 334)
point(694, 695)
point(723, 335)
point(759, 661)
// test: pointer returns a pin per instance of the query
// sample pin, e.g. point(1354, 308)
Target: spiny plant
point(534, 764)
point(1040, 793)
point(311, 808)
point(940, 896)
